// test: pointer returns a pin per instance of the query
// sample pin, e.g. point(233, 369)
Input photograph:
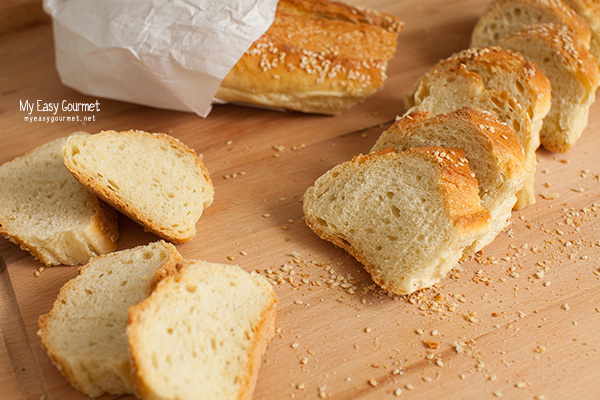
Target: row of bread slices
point(142, 320)
point(411, 210)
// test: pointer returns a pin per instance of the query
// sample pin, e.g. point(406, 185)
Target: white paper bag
point(169, 54)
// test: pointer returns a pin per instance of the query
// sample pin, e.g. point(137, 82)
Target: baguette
point(452, 89)
point(49, 214)
point(84, 333)
point(153, 178)
point(504, 17)
point(319, 56)
point(574, 76)
point(492, 149)
point(201, 333)
point(407, 216)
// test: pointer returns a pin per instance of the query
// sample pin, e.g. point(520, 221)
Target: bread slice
point(202, 331)
point(504, 17)
point(452, 89)
point(48, 213)
point(502, 69)
point(492, 148)
point(407, 216)
point(574, 77)
point(84, 333)
point(589, 10)
point(153, 178)
point(318, 56)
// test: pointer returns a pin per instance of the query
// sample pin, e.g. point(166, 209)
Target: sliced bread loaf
point(452, 89)
point(504, 17)
point(574, 77)
point(48, 213)
point(492, 148)
point(502, 69)
point(84, 333)
point(407, 217)
point(202, 333)
point(153, 178)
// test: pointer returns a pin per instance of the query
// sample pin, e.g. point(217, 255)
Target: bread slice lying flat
point(318, 56)
point(48, 213)
point(492, 148)
point(502, 69)
point(504, 17)
point(84, 333)
point(574, 77)
point(589, 10)
point(201, 333)
point(452, 89)
point(153, 178)
point(407, 217)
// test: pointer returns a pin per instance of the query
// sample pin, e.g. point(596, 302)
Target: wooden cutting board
point(520, 321)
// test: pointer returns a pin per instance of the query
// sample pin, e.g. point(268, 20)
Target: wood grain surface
point(519, 321)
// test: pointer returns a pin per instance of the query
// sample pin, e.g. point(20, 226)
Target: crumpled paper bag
point(169, 54)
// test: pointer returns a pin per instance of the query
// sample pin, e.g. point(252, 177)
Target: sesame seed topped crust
point(503, 17)
point(574, 76)
point(590, 11)
point(319, 57)
point(492, 148)
point(502, 69)
point(569, 50)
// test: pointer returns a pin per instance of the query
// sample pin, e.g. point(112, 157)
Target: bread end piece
point(317, 57)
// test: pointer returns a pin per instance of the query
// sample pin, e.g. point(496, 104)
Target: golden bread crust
point(550, 11)
point(590, 11)
point(495, 60)
point(579, 74)
point(318, 56)
point(571, 51)
point(503, 141)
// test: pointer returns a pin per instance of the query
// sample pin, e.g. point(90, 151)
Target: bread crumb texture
point(153, 178)
point(84, 333)
point(48, 213)
point(202, 330)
